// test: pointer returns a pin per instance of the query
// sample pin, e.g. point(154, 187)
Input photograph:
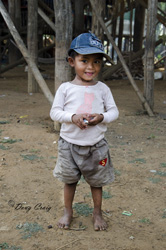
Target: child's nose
point(90, 65)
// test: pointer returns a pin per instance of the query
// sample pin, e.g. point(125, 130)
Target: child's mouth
point(89, 73)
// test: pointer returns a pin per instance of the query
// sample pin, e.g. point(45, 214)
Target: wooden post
point(121, 25)
point(12, 49)
point(0, 53)
point(32, 41)
point(96, 27)
point(141, 97)
point(78, 17)
point(64, 24)
point(138, 27)
point(25, 53)
point(149, 53)
point(131, 34)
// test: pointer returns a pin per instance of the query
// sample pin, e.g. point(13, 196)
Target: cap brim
point(92, 50)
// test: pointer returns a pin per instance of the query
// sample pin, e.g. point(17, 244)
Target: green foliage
point(155, 180)
point(106, 195)
point(164, 214)
point(161, 173)
point(117, 172)
point(145, 220)
point(83, 209)
point(151, 137)
point(139, 160)
point(163, 165)
point(53, 157)
point(6, 246)
point(4, 122)
point(30, 157)
point(3, 147)
point(163, 37)
point(30, 229)
point(10, 141)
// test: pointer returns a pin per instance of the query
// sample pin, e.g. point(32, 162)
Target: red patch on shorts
point(103, 162)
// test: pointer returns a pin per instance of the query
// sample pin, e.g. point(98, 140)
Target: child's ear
point(71, 61)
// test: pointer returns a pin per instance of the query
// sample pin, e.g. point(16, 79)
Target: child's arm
point(111, 111)
point(57, 112)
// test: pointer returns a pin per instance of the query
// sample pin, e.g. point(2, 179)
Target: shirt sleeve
point(57, 112)
point(111, 111)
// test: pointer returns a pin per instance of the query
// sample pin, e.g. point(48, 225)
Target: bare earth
point(31, 199)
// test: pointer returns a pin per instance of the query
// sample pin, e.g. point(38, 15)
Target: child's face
point(86, 67)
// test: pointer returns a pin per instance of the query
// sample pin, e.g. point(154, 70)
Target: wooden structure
point(32, 42)
point(105, 18)
point(149, 53)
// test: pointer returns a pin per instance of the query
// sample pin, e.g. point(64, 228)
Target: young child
point(84, 107)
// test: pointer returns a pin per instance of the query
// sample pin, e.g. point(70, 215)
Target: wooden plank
point(46, 19)
point(46, 7)
point(26, 55)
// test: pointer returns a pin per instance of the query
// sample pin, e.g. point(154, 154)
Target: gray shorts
point(93, 162)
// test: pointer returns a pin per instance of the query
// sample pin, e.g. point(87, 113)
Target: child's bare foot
point(66, 219)
point(99, 222)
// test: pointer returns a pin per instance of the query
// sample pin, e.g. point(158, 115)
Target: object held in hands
point(85, 121)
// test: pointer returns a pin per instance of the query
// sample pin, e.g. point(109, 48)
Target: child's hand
point(95, 119)
point(78, 120)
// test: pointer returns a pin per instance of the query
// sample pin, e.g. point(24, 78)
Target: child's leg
point(99, 222)
point(69, 191)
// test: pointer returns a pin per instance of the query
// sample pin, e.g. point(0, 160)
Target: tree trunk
point(149, 53)
point(32, 41)
point(64, 24)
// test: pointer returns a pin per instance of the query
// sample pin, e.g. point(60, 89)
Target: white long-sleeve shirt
point(73, 99)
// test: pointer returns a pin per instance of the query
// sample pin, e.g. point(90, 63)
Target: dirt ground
point(31, 199)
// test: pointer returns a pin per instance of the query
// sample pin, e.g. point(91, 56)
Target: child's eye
point(98, 61)
point(84, 61)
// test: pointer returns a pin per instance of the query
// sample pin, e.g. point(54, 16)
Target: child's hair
point(72, 54)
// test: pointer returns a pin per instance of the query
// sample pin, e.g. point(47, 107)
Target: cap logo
point(95, 42)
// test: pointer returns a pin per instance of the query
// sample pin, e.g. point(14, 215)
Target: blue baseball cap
point(88, 43)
